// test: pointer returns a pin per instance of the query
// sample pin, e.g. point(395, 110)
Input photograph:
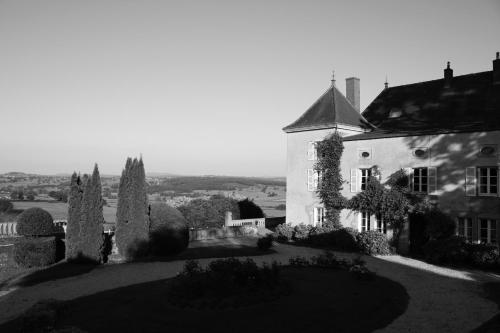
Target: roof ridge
point(435, 80)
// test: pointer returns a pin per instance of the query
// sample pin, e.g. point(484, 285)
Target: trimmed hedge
point(35, 222)
point(301, 232)
point(373, 242)
point(483, 255)
point(29, 252)
point(169, 233)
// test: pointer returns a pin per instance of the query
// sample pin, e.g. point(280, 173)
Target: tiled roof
point(470, 103)
point(330, 109)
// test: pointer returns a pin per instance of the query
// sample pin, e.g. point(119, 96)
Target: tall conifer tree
point(74, 213)
point(132, 222)
point(92, 219)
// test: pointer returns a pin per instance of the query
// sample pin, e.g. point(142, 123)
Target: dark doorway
point(418, 236)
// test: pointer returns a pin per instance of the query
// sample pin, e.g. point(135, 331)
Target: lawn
point(321, 300)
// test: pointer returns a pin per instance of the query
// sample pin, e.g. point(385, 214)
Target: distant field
point(59, 210)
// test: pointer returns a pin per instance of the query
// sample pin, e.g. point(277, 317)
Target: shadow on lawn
point(322, 300)
point(492, 292)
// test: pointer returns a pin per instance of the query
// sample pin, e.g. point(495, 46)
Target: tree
point(249, 209)
point(74, 216)
point(5, 205)
point(201, 213)
point(329, 179)
point(132, 220)
point(92, 219)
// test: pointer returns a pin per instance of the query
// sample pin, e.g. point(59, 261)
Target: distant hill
point(186, 184)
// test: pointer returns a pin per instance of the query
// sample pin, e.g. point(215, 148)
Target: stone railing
point(229, 222)
point(8, 229)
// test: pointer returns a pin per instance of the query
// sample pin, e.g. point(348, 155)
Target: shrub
point(301, 232)
point(5, 205)
point(483, 255)
point(373, 242)
point(35, 222)
point(169, 233)
point(439, 225)
point(265, 243)
point(299, 261)
point(36, 252)
point(445, 251)
point(345, 239)
point(226, 282)
point(284, 232)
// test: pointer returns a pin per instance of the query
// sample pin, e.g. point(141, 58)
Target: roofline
point(323, 126)
point(388, 135)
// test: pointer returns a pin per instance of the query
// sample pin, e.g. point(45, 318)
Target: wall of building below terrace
point(300, 202)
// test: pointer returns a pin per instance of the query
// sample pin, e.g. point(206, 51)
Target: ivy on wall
point(330, 180)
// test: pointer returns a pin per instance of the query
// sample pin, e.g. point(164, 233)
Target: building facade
point(445, 134)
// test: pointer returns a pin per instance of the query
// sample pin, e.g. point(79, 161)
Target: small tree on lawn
point(132, 220)
point(74, 215)
point(330, 180)
point(92, 219)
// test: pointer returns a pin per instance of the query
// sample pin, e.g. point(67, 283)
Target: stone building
point(444, 133)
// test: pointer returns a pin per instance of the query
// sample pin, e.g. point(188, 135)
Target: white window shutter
point(315, 179)
point(409, 173)
point(470, 181)
point(432, 180)
point(310, 179)
point(310, 147)
point(354, 180)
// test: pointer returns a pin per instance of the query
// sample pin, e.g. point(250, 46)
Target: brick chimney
point(448, 75)
point(496, 69)
point(352, 91)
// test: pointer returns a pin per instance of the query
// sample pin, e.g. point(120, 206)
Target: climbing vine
point(329, 152)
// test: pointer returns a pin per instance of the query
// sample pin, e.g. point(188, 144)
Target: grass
point(321, 300)
point(492, 292)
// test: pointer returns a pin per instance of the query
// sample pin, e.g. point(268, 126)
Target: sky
point(205, 87)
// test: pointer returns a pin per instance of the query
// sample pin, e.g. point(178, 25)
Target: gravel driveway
point(441, 299)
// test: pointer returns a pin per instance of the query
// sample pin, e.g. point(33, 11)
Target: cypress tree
point(132, 221)
point(92, 219)
point(74, 211)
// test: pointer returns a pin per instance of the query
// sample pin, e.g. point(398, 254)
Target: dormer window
point(395, 113)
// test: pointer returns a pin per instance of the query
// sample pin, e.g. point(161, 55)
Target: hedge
point(169, 233)
point(5, 205)
point(35, 222)
point(373, 242)
point(36, 252)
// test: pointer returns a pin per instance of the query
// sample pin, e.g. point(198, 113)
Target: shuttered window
point(312, 151)
point(487, 178)
point(364, 223)
point(487, 231)
point(464, 228)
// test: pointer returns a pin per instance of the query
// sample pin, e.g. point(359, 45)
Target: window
point(488, 180)
point(380, 224)
point(487, 231)
point(318, 216)
point(365, 221)
point(420, 180)
point(313, 179)
point(312, 151)
point(365, 175)
point(464, 228)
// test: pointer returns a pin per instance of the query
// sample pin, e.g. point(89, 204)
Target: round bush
point(284, 232)
point(302, 232)
point(345, 239)
point(169, 233)
point(483, 255)
point(373, 242)
point(5, 205)
point(35, 222)
point(265, 243)
point(41, 251)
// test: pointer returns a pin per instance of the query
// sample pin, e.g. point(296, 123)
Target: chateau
point(444, 133)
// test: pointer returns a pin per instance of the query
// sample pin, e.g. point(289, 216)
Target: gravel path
point(441, 299)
